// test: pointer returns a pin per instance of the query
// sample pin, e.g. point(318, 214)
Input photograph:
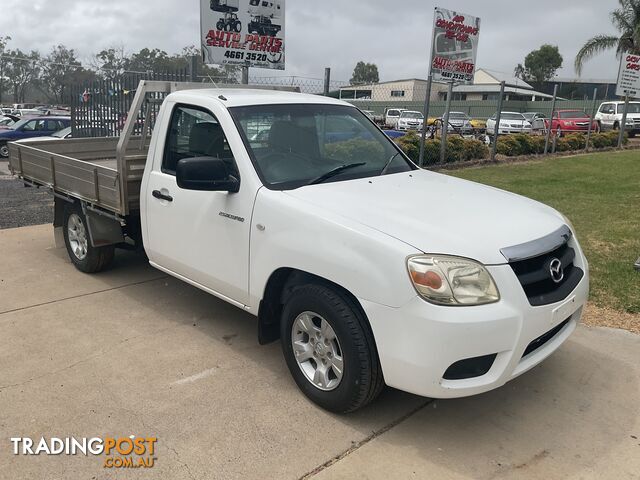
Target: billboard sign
point(629, 76)
point(243, 32)
point(454, 46)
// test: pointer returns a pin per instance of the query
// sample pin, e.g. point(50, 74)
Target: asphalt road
point(131, 351)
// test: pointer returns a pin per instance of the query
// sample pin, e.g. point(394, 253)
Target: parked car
point(510, 122)
point(391, 117)
point(31, 127)
point(537, 120)
point(7, 121)
point(571, 121)
point(324, 243)
point(369, 113)
point(459, 122)
point(6, 110)
point(410, 120)
point(26, 112)
point(59, 135)
point(609, 117)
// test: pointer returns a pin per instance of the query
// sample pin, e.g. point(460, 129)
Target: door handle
point(161, 196)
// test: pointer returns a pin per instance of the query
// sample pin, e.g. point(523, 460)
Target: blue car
point(29, 128)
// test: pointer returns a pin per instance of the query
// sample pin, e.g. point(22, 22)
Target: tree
point(540, 65)
point(22, 71)
point(3, 46)
point(59, 70)
point(111, 64)
point(626, 19)
point(365, 73)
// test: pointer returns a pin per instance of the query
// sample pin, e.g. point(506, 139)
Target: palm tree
point(627, 20)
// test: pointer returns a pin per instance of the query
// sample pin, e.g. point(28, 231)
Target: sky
point(395, 35)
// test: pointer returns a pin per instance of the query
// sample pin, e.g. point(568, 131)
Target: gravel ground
point(20, 206)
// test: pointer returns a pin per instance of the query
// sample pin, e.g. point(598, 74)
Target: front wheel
point(85, 257)
point(4, 150)
point(329, 349)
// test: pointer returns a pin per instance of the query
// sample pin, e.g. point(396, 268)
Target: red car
point(571, 121)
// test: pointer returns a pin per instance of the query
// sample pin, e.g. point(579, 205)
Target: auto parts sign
point(243, 32)
point(629, 76)
point(454, 46)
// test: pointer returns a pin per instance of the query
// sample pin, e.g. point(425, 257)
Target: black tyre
point(237, 26)
point(220, 25)
point(4, 150)
point(329, 349)
point(616, 125)
point(85, 257)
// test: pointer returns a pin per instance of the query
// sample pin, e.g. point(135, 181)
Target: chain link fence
point(466, 120)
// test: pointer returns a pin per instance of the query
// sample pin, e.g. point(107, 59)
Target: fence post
point(193, 68)
point(427, 101)
point(245, 75)
point(553, 109)
point(593, 114)
point(496, 128)
point(445, 125)
point(327, 81)
point(623, 122)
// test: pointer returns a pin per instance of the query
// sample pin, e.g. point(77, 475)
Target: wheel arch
point(279, 288)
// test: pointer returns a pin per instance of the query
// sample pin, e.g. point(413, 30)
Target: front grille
point(536, 278)
point(544, 338)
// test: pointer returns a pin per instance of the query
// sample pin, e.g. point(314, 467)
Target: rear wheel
point(85, 257)
point(4, 150)
point(329, 349)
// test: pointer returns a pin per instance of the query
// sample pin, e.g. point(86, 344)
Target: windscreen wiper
point(389, 162)
point(334, 172)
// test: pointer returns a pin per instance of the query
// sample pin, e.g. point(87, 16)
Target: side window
point(52, 126)
point(194, 133)
point(29, 126)
point(40, 126)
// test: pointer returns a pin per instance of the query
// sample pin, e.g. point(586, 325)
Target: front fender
point(289, 233)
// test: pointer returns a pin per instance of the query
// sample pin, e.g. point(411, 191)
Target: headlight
point(447, 280)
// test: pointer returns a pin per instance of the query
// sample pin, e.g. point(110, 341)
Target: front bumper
point(419, 341)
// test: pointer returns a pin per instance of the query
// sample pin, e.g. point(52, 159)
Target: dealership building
point(486, 86)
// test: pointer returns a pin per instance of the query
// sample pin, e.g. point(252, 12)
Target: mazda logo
point(556, 270)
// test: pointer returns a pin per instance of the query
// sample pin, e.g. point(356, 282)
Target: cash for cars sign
point(454, 46)
point(629, 76)
point(243, 32)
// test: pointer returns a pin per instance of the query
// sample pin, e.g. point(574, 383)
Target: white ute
point(298, 209)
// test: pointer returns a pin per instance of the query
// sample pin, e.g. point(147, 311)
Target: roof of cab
point(237, 97)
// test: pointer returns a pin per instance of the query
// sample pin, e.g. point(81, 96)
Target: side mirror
point(206, 174)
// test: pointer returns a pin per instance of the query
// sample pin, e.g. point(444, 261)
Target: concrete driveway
point(131, 351)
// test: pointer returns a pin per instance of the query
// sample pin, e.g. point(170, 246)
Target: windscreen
point(573, 114)
point(511, 116)
point(411, 115)
point(293, 145)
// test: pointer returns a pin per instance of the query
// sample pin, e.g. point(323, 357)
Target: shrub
point(354, 149)
point(458, 148)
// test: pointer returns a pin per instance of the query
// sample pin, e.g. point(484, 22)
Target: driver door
point(199, 236)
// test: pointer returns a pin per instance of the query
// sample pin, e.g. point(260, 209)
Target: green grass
point(600, 193)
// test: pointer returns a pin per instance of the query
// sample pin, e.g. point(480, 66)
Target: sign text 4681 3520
point(243, 32)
